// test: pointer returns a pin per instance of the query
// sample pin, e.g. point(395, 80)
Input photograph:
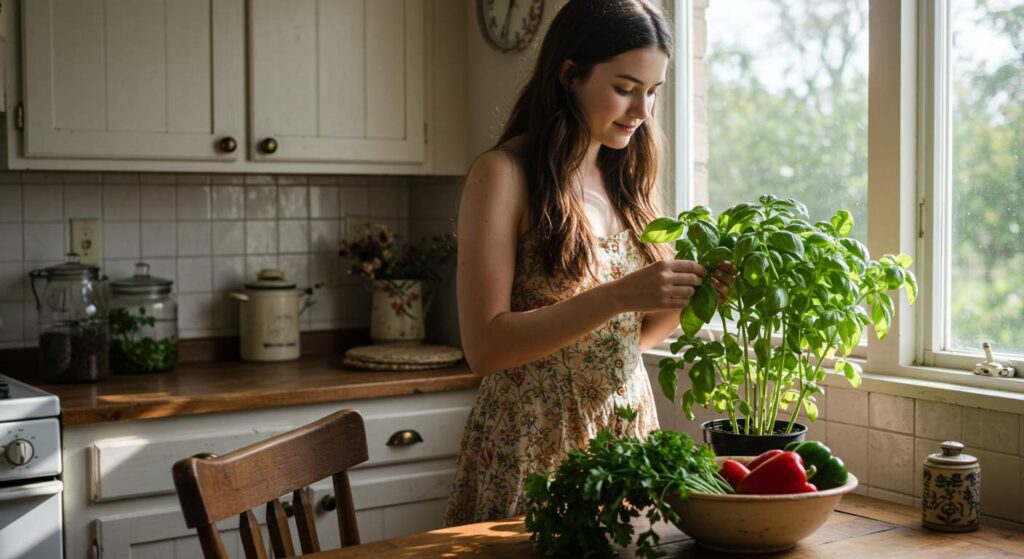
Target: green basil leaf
point(716, 256)
point(787, 241)
point(704, 236)
point(704, 302)
point(910, 282)
point(754, 267)
point(881, 316)
point(810, 409)
point(763, 351)
point(668, 377)
point(744, 246)
point(689, 322)
point(843, 222)
point(662, 230)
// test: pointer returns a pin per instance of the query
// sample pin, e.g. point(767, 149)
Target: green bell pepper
point(830, 470)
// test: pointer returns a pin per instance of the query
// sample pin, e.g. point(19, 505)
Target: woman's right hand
point(663, 285)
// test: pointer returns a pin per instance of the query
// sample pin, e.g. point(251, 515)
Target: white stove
point(31, 515)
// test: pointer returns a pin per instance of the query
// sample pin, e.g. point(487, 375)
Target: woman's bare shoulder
point(496, 179)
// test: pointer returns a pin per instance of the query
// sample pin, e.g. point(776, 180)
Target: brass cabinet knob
point(268, 145)
point(407, 437)
point(227, 144)
point(328, 503)
point(204, 455)
point(289, 510)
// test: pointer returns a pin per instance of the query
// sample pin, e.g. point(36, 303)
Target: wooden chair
point(213, 488)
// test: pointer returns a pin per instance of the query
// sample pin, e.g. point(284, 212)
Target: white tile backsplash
point(1000, 484)
point(228, 202)
point(158, 203)
point(159, 238)
point(847, 405)
point(11, 322)
point(292, 202)
point(12, 281)
point(293, 236)
point(43, 241)
point(228, 237)
point(992, 430)
point(121, 202)
point(43, 202)
point(228, 273)
point(938, 421)
point(10, 202)
point(83, 201)
point(121, 239)
point(261, 237)
point(323, 202)
point(12, 247)
point(194, 238)
point(851, 444)
point(260, 202)
point(892, 413)
point(891, 461)
point(193, 202)
point(206, 232)
point(195, 275)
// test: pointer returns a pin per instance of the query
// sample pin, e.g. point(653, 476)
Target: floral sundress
point(525, 419)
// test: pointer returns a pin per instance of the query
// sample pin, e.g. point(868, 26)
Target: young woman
point(557, 296)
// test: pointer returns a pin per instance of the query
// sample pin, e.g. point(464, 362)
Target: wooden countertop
point(233, 386)
point(859, 527)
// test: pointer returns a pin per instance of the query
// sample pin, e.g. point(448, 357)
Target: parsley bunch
point(589, 502)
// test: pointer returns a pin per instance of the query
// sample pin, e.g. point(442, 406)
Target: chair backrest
point(214, 488)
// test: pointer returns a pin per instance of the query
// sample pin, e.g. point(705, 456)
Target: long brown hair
point(556, 137)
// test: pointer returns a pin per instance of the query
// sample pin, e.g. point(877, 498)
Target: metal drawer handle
point(328, 503)
point(407, 437)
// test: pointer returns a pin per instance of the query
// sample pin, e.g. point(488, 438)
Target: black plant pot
point(718, 433)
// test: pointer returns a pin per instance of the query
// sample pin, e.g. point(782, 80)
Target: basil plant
point(803, 294)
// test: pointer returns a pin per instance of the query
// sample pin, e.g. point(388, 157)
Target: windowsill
point(910, 384)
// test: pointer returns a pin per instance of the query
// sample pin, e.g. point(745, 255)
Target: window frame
point(907, 160)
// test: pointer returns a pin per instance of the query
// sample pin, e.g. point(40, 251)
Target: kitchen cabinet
point(262, 86)
point(133, 79)
point(119, 494)
point(337, 81)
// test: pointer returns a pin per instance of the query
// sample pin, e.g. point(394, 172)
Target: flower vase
point(397, 313)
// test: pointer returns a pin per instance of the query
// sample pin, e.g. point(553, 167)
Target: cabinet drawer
point(140, 465)
point(440, 433)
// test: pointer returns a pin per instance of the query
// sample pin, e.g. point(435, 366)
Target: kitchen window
point(774, 97)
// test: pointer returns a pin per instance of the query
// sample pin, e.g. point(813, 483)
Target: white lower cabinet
point(120, 501)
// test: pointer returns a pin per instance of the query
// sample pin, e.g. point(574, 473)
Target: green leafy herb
point(803, 294)
point(587, 505)
point(131, 355)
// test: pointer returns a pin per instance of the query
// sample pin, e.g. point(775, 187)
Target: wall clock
point(509, 25)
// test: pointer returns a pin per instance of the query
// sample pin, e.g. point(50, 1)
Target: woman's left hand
point(722, 279)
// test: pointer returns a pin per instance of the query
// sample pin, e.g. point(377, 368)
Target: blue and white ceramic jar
point(951, 497)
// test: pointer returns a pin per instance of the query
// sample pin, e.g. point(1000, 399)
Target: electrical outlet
point(87, 240)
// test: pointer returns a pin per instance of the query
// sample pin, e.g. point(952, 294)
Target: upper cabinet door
point(134, 79)
point(337, 80)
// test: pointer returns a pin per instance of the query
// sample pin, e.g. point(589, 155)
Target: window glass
point(985, 271)
point(785, 88)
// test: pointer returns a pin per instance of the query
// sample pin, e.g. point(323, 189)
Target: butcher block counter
point(197, 388)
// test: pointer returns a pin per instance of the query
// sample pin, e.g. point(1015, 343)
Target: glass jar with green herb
point(143, 323)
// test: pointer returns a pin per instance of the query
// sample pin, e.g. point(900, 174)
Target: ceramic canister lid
point(269, 278)
point(952, 455)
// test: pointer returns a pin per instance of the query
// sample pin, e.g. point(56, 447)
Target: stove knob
point(19, 452)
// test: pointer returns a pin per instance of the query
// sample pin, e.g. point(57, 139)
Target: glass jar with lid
point(73, 339)
point(143, 323)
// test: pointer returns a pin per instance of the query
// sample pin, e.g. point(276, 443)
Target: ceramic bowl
point(755, 523)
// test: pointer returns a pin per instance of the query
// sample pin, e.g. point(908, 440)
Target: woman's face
point(618, 95)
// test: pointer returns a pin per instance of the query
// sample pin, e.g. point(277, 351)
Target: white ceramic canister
point(269, 317)
point(951, 491)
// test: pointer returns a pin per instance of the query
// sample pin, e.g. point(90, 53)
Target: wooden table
point(860, 527)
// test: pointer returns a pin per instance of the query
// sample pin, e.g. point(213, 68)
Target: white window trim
point(900, 166)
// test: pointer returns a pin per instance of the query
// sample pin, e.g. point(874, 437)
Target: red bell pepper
point(762, 458)
point(784, 473)
point(733, 472)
